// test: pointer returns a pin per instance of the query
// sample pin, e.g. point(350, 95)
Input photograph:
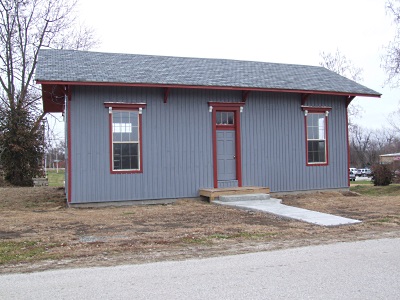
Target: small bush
point(383, 175)
point(396, 168)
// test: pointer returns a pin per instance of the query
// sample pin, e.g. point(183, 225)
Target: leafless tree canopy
point(367, 144)
point(340, 64)
point(26, 26)
point(391, 59)
point(394, 120)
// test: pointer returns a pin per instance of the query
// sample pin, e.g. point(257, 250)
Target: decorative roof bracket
point(304, 98)
point(245, 94)
point(166, 93)
point(349, 99)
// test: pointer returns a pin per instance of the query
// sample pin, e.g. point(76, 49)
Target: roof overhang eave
point(53, 96)
point(210, 87)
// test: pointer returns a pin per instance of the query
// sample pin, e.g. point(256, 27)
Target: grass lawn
point(363, 182)
point(56, 179)
point(38, 231)
point(371, 190)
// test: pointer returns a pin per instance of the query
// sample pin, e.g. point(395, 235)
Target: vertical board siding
point(178, 149)
point(177, 145)
point(274, 144)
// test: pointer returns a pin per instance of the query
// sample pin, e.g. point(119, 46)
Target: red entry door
point(226, 155)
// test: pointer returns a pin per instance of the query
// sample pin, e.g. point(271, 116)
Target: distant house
point(152, 127)
point(389, 158)
point(58, 164)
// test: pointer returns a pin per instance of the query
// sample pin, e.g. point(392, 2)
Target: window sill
point(126, 172)
point(316, 164)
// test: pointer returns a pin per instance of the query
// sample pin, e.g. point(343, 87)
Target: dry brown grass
point(38, 232)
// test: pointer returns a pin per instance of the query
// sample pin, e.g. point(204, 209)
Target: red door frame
point(229, 107)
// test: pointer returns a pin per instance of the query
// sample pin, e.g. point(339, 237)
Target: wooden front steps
point(245, 190)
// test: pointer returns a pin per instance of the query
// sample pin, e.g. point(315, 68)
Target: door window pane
point(225, 118)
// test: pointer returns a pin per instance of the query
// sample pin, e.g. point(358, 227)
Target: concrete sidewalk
point(275, 206)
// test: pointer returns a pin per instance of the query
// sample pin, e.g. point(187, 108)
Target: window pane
point(135, 134)
point(316, 152)
point(311, 151)
point(125, 163)
point(126, 156)
point(135, 162)
point(117, 149)
point(117, 164)
point(321, 134)
point(224, 118)
point(219, 118)
point(316, 126)
point(124, 117)
point(230, 118)
point(117, 156)
point(134, 118)
point(135, 149)
point(312, 133)
point(116, 137)
point(316, 134)
point(321, 127)
point(116, 116)
point(311, 147)
point(125, 135)
point(124, 149)
point(310, 118)
point(321, 151)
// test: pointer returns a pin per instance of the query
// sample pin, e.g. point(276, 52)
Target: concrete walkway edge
point(274, 206)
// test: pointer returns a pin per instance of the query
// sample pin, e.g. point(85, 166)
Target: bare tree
point(388, 140)
point(360, 143)
point(340, 64)
point(367, 144)
point(26, 26)
point(394, 120)
point(391, 59)
point(55, 153)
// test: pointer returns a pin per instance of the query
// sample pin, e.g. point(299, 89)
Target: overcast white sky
point(285, 31)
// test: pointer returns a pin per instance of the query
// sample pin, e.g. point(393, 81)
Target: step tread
point(244, 197)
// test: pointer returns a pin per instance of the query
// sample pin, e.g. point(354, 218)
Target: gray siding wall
point(177, 143)
point(274, 145)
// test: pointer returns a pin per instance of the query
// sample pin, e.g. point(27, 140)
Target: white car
point(354, 170)
point(363, 172)
point(352, 176)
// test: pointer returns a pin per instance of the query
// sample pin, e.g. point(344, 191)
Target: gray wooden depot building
point(143, 127)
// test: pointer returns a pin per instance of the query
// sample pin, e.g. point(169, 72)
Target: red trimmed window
point(316, 122)
point(125, 139)
point(125, 124)
point(225, 118)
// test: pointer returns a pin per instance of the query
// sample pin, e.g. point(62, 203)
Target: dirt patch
point(38, 232)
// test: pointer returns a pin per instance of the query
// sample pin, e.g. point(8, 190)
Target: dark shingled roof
point(95, 67)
